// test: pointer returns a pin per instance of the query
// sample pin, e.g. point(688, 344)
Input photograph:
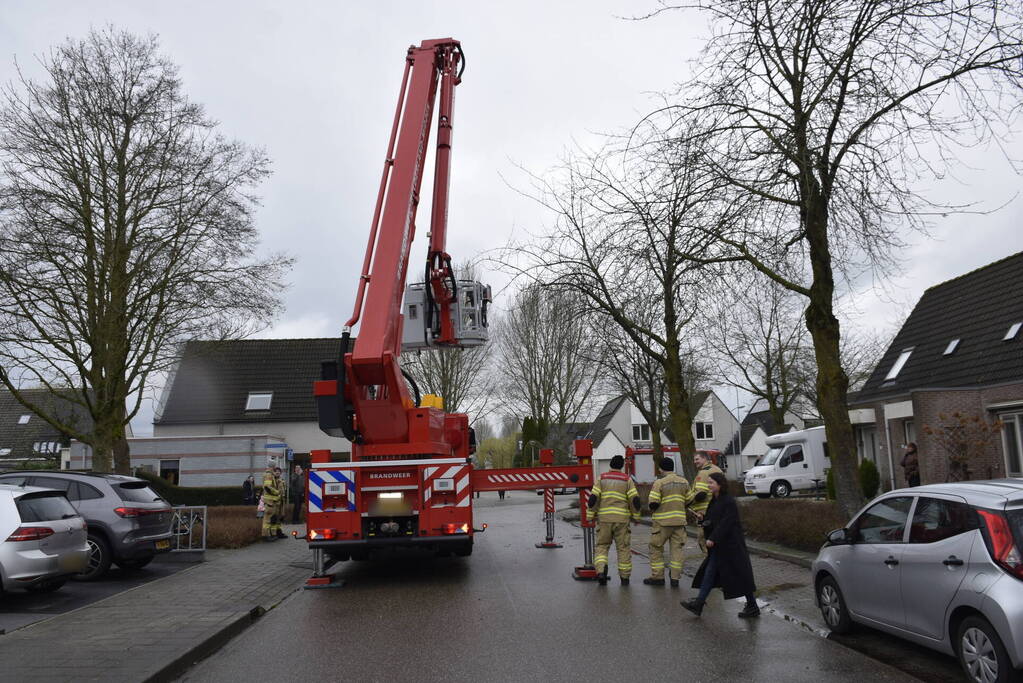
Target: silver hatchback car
point(940, 565)
point(44, 539)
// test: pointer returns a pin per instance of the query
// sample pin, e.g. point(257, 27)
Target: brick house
point(960, 351)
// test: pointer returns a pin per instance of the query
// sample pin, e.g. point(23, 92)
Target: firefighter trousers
point(271, 518)
point(620, 533)
point(659, 536)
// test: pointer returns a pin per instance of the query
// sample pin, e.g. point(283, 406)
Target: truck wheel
point(781, 489)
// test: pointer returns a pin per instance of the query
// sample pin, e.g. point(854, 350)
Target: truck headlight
point(759, 476)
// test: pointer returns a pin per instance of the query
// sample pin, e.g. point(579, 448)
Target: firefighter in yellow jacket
point(614, 502)
point(273, 502)
point(668, 500)
point(704, 468)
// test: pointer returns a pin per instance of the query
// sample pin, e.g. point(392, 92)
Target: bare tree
point(546, 354)
point(760, 342)
point(126, 226)
point(624, 223)
point(827, 113)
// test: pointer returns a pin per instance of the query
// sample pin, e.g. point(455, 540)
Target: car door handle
point(952, 561)
point(891, 561)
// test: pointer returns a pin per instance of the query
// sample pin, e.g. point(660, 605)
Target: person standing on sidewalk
point(704, 468)
point(297, 491)
point(613, 502)
point(273, 492)
point(668, 500)
point(727, 565)
point(249, 490)
point(911, 465)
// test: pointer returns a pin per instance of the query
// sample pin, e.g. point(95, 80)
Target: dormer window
point(950, 349)
point(1013, 331)
point(899, 363)
point(23, 420)
point(259, 400)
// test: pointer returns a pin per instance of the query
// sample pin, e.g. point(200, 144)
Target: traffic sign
point(275, 445)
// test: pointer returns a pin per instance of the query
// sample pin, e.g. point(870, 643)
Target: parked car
point(128, 522)
point(795, 461)
point(44, 539)
point(940, 565)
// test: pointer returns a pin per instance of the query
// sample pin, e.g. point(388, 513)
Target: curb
point(207, 647)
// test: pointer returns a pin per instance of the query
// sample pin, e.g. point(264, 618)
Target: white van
point(796, 461)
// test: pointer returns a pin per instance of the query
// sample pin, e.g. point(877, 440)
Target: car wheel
point(981, 653)
point(832, 604)
point(780, 489)
point(46, 586)
point(137, 563)
point(99, 559)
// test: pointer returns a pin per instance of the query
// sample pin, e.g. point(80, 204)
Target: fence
point(189, 528)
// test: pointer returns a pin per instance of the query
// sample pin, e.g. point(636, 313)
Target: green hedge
point(794, 523)
point(199, 495)
point(870, 479)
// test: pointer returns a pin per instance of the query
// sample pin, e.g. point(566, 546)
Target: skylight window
point(899, 362)
point(1013, 331)
point(259, 400)
point(951, 347)
point(5, 451)
point(23, 420)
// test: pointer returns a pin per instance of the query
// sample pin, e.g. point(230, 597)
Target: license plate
point(749, 490)
point(162, 545)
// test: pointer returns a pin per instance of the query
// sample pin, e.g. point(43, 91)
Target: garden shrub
point(870, 479)
point(801, 524)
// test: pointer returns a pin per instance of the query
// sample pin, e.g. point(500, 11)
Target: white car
point(44, 539)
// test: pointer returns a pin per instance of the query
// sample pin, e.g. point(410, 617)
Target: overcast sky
point(315, 84)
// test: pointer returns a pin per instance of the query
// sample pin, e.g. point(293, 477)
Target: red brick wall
point(927, 405)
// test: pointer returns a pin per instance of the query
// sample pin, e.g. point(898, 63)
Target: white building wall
point(301, 437)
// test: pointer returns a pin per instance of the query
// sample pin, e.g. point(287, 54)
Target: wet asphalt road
point(512, 612)
point(20, 608)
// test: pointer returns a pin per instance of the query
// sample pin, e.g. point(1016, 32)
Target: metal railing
point(189, 528)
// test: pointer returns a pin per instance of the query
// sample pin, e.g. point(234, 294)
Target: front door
point(934, 562)
point(871, 573)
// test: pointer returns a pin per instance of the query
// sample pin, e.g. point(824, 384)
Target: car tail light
point(30, 533)
point(456, 528)
point(1001, 544)
point(135, 512)
point(322, 534)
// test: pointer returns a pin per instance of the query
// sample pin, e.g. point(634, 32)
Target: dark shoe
point(654, 582)
point(280, 534)
point(695, 606)
point(625, 581)
point(750, 611)
point(674, 583)
point(602, 577)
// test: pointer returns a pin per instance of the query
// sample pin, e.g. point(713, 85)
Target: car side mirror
point(840, 537)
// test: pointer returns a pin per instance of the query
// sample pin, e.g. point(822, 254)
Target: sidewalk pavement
point(156, 631)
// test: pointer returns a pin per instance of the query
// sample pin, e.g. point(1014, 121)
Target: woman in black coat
point(727, 564)
point(249, 491)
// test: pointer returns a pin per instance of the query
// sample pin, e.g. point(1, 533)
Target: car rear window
point(136, 492)
point(45, 507)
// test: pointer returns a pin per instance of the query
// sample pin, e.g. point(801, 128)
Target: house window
point(704, 430)
point(899, 362)
point(1012, 439)
point(909, 432)
point(169, 470)
point(951, 347)
point(5, 452)
point(259, 400)
point(1013, 331)
point(23, 420)
point(640, 432)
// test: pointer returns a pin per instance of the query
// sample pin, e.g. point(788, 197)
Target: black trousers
point(296, 508)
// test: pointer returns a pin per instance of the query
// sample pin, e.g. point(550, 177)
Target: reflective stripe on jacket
point(615, 492)
point(673, 494)
point(700, 484)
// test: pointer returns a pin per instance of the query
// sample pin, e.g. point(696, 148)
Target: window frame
point(858, 534)
point(973, 522)
point(1013, 330)
point(899, 363)
point(707, 429)
point(23, 419)
point(952, 346)
point(250, 408)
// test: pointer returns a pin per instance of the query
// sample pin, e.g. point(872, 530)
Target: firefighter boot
point(625, 580)
point(654, 582)
point(695, 606)
point(602, 577)
point(674, 583)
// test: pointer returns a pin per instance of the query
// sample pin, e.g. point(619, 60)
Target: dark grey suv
point(128, 522)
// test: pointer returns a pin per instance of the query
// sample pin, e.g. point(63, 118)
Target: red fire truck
point(411, 479)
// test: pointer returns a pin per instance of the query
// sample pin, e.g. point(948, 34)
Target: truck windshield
point(772, 455)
